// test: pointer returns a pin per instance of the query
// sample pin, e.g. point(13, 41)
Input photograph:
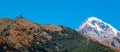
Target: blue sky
point(70, 13)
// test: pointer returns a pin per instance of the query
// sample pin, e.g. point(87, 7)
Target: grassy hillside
point(20, 35)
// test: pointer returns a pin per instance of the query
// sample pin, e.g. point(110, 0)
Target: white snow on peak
point(96, 26)
point(94, 18)
point(89, 23)
point(114, 29)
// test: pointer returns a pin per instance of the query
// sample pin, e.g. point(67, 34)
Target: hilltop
point(19, 34)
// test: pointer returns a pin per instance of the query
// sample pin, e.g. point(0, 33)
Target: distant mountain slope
point(20, 35)
point(97, 29)
point(100, 31)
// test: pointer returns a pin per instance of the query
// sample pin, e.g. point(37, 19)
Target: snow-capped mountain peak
point(92, 22)
point(94, 18)
point(98, 29)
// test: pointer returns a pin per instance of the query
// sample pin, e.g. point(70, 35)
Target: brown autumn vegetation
point(20, 35)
